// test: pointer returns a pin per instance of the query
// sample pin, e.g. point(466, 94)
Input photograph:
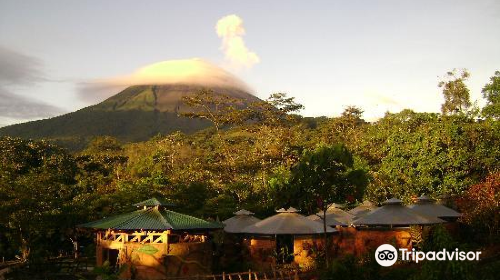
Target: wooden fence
point(277, 274)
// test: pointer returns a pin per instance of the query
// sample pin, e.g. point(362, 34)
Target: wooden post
point(167, 241)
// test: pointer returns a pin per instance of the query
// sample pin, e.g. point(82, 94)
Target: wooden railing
point(288, 274)
point(139, 237)
point(144, 237)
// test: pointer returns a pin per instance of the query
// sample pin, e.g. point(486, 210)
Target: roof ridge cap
point(167, 223)
point(141, 212)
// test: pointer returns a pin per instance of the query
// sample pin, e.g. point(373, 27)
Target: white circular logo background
point(386, 255)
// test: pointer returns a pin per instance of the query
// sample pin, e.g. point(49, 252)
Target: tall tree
point(221, 110)
point(346, 128)
point(455, 92)
point(278, 109)
point(325, 176)
point(491, 92)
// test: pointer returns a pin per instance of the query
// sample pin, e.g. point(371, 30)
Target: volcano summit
point(150, 105)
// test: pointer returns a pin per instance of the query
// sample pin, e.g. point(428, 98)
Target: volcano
point(140, 111)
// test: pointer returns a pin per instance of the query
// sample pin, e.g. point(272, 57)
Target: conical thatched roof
point(241, 220)
point(334, 216)
point(243, 212)
point(428, 206)
point(337, 206)
point(363, 209)
point(332, 219)
point(394, 213)
point(287, 222)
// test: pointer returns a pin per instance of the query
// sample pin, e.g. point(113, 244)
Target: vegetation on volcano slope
point(134, 114)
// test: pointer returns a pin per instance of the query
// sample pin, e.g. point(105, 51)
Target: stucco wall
point(179, 259)
point(361, 241)
point(349, 240)
point(261, 253)
point(306, 249)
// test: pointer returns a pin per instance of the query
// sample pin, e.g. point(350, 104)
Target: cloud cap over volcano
point(192, 71)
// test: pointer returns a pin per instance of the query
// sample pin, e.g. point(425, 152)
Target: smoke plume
point(230, 29)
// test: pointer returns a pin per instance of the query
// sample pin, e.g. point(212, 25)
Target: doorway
point(284, 248)
point(111, 255)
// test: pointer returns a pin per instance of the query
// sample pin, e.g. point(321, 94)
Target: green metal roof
point(152, 219)
point(154, 202)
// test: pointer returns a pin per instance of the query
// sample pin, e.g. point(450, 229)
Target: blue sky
point(379, 55)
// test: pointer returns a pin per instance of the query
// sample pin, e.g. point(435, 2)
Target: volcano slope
point(135, 114)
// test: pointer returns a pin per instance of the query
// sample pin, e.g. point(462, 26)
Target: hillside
point(135, 114)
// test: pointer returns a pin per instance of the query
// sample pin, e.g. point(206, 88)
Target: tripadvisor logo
point(387, 255)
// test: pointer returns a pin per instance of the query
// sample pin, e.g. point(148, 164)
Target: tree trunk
point(325, 241)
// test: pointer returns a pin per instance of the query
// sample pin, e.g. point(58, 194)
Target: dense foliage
point(254, 157)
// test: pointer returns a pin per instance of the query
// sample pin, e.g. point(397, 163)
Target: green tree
point(37, 188)
point(491, 92)
point(412, 153)
point(325, 176)
point(348, 128)
point(455, 92)
point(440, 239)
point(277, 110)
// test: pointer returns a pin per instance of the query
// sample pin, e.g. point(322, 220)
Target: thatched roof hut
point(241, 220)
point(428, 206)
point(394, 213)
point(287, 222)
point(363, 209)
point(284, 238)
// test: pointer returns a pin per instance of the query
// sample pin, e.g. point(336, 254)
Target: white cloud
point(193, 71)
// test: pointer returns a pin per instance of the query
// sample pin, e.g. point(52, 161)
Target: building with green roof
point(155, 242)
